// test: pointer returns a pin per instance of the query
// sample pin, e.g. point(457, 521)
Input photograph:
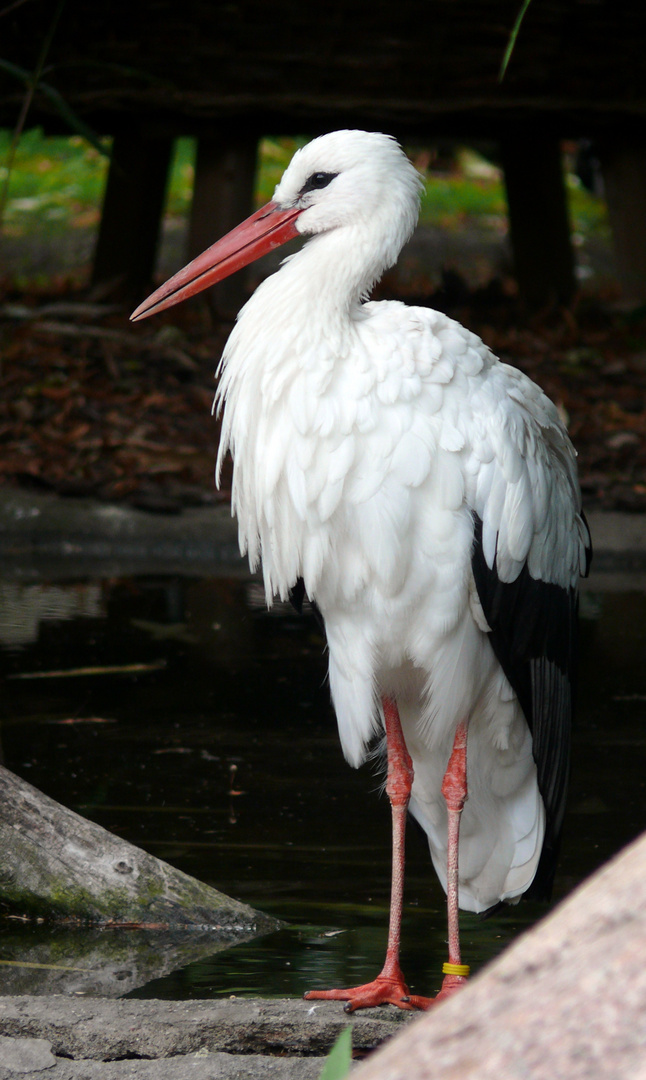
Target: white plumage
point(416, 485)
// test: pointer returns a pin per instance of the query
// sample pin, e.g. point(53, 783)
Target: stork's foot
point(387, 990)
point(450, 985)
point(384, 990)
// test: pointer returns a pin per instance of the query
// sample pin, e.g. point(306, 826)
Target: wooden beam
point(624, 175)
point(225, 172)
point(133, 205)
point(538, 219)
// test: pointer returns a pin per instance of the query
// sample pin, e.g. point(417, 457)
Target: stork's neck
point(305, 316)
point(325, 282)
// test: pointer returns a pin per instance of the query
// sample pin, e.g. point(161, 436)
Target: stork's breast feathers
point(368, 446)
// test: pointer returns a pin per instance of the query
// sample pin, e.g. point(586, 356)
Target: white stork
point(424, 495)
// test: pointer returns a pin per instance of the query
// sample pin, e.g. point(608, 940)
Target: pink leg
point(389, 986)
point(454, 790)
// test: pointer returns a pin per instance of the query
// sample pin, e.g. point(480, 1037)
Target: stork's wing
point(534, 636)
point(530, 544)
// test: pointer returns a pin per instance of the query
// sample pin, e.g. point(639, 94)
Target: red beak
point(265, 230)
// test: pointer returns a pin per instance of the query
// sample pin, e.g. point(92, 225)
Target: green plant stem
point(512, 40)
point(338, 1062)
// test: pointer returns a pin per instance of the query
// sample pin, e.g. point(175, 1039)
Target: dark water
point(219, 754)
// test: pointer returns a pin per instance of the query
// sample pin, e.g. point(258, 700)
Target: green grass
point(52, 181)
point(451, 202)
point(57, 183)
point(588, 213)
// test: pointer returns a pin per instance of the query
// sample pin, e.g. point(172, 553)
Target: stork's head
point(348, 177)
point(356, 180)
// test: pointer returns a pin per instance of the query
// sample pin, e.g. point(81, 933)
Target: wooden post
point(624, 174)
point(132, 213)
point(225, 172)
point(538, 219)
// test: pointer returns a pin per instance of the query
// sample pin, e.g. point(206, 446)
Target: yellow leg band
point(456, 969)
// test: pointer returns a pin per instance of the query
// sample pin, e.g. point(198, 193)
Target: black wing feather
point(298, 596)
point(534, 637)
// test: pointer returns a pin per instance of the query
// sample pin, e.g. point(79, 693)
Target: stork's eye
point(317, 181)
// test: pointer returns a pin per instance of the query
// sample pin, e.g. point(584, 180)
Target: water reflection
point(24, 607)
point(178, 714)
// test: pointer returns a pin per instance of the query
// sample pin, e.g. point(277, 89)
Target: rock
point(58, 865)
point(25, 1055)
